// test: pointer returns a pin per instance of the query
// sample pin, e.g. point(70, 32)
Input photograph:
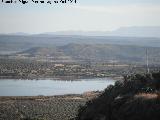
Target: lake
point(12, 87)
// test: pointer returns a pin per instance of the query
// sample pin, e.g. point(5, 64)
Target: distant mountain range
point(87, 45)
point(137, 32)
point(14, 43)
point(123, 31)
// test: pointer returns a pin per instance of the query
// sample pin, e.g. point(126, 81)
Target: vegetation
point(136, 98)
point(40, 108)
point(32, 69)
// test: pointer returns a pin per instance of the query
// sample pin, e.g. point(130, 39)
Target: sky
point(85, 15)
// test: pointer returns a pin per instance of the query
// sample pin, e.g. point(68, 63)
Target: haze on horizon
point(86, 15)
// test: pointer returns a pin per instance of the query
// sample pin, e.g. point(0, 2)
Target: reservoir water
point(48, 87)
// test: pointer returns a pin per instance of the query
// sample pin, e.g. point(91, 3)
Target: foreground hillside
point(137, 98)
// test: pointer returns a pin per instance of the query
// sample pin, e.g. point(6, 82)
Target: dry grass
point(147, 96)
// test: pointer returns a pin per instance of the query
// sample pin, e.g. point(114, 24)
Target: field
point(42, 108)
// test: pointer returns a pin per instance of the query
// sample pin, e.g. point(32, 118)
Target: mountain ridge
point(96, 52)
point(132, 31)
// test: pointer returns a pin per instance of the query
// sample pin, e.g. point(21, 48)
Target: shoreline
point(85, 95)
point(61, 78)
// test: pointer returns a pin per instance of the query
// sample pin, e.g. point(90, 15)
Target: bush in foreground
point(137, 97)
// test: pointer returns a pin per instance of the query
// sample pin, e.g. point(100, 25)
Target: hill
point(96, 52)
point(14, 43)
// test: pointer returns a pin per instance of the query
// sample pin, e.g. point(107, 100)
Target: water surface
point(14, 87)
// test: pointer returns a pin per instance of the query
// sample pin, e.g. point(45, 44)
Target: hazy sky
point(86, 15)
